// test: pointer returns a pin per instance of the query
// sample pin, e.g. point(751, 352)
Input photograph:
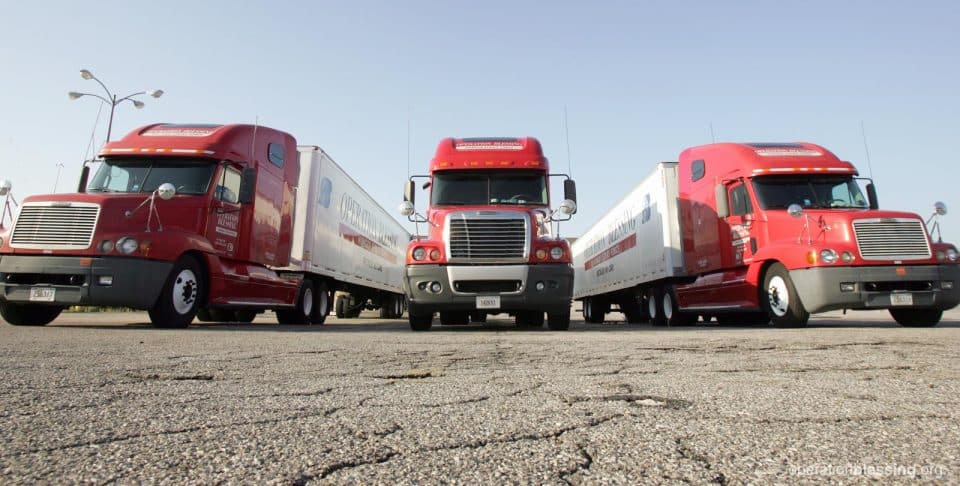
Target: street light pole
point(112, 99)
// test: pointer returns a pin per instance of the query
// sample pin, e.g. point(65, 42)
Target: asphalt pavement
point(106, 398)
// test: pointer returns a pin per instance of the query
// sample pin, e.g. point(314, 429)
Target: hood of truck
point(110, 215)
point(873, 236)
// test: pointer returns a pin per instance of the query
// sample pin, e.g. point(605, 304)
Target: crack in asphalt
point(579, 467)
point(687, 453)
point(341, 465)
point(808, 370)
point(480, 443)
point(840, 420)
point(162, 433)
point(640, 400)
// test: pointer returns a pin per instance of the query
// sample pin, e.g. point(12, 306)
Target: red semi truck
point(754, 233)
point(215, 221)
point(490, 246)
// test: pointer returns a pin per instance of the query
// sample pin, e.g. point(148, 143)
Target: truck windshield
point(778, 192)
point(480, 187)
point(144, 175)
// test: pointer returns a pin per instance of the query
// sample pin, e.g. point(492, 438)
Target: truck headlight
point(952, 254)
point(556, 253)
point(419, 253)
point(828, 256)
point(127, 245)
point(846, 257)
point(106, 246)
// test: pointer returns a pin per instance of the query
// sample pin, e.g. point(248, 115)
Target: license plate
point(488, 302)
point(901, 299)
point(42, 294)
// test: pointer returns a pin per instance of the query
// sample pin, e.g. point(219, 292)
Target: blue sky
point(640, 81)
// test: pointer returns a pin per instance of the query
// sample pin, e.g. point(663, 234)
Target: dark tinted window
point(275, 154)
point(698, 169)
point(740, 201)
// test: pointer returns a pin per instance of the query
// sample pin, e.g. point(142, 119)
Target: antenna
point(713, 138)
point(253, 139)
point(566, 133)
point(408, 145)
point(93, 132)
point(866, 149)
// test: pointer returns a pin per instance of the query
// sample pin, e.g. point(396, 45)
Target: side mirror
point(938, 207)
point(568, 206)
point(872, 196)
point(248, 186)
point(166, 191)
point(410, 192)
point(795, 210)
point(84, 175)
point(6, 185)
point(570, 193)
point(723, 206)
point(407, 209)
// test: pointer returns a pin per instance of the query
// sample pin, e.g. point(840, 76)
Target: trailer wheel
point(655, 307)
point(529, 319)
point(303, 308)
point(341, 307)
point(421, 322)
point(917, 317)
point(28, 314)
point(633, 310)
point(672, 314)
point(321, 308)
point(779, 298)
point(558, 322)
point(398, 306)
point(592, 312)
point(178, 302)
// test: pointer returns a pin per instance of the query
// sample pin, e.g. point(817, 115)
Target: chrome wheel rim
point(778, 296)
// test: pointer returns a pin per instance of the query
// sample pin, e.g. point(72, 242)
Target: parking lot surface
point(104, 397)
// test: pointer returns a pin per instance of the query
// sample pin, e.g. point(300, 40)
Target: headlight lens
point(541, 254)
point(434, 254)
point(846, 257)
point(952, 254)
point(828, 256)
point(106, 246)
point(127, 245)
point(556, 253)
point(419, 253)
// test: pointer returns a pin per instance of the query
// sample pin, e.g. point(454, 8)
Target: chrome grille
point(487, 236)
point(55, 226)
point(891, 239)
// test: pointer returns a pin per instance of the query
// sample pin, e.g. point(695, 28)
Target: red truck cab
point(780, 231)
point(489, 246)
point(177, 218)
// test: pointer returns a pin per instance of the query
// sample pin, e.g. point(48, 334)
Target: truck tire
point(302, 309)
point(341, 307)
point(454, 318)
point(179, 299)
point(633, 310)
point(914, 317)
point(558, 322)
point(398, 306)
point(420, 322)
point(391, 306)
point(780, 300)
point(321, 307)
point(29, 314)
point(529, 319)
point(655, 306)
point(592, 313)
point(672, 314)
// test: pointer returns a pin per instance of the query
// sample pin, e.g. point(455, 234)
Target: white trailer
point(638, 241)
point(342, 237)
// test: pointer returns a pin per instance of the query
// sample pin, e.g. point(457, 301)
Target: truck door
point(738, 241)
point(223, 226)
